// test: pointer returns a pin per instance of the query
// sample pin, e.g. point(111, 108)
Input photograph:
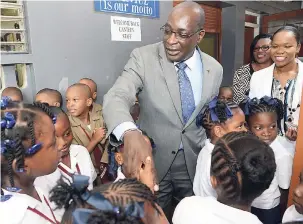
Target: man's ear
point(119, 158)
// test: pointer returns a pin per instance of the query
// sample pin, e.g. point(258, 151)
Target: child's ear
point(94, 96)
point(89, 102)
point(26, 169)
point(119, 158)
point(214, 182)
point(57, 104)
point(218, 131)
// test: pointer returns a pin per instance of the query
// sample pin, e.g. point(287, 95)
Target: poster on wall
point(125, 29)
point(148, 8)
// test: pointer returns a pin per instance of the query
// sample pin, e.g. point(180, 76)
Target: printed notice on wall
point(125, 29)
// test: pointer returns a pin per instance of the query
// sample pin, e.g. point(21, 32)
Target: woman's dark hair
point(24, 116)
point(254, 43)
point(244, 167)
point(292, 29)
point(119, 194)
point(264, 105)
point(220, 111)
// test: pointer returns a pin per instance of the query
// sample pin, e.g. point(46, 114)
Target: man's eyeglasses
point(179, 34)
point(263, 48)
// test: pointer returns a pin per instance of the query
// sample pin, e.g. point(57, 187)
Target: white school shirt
point(81, 163)
point(270, 198)
point(23, 209)
point(202, 185)
point(194, 71)
point(120, 175)
point(291, 214)
point(207, 210)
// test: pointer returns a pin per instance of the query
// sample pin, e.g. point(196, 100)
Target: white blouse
point(202, 184)
point(23, 209)
point(207, 210)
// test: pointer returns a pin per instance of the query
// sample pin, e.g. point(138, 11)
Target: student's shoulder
point(78, 150)
point(278, 148)
point(15, 202)
point(192, 210)
point(97, 107)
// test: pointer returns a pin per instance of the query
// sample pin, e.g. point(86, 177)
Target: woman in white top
point(283, 80)
point(242, 167)
point(264, 118)
point(218, 119)
point(28, 150)
point(295, 212)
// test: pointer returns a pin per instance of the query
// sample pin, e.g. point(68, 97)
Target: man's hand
point(137, 152)
point(291, 134)
point(146, 175)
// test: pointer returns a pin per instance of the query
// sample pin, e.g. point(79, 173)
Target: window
point(210, 45)
point(13, 38)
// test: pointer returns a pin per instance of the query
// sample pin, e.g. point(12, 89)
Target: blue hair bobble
point(212, 109)
point(5, 101)
point(8, 121)
point(35, 148)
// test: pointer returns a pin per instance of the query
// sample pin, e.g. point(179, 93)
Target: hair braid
point(127, 191)
point(262, 106)
point(220, 111)
point(21, 132)
point(240, 160)
point(45, 108)
point(109, 217)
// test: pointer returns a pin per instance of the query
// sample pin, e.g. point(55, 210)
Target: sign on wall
point(148, 8)
point(125, 29)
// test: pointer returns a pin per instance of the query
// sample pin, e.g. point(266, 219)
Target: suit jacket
point(149, 72)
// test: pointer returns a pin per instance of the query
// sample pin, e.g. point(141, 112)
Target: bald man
point(87, 126)
point(13, 93)
point(92, 86)
point(175, 80)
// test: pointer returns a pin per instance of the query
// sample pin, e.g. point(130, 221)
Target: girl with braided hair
point(264, 119)
point(218, 119)
point(242, 167)
point(126, 201)
point(28, 150)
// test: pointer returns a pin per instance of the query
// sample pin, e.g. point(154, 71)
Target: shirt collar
point(192, 61)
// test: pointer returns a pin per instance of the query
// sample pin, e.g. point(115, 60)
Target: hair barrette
point(5, 101)
point(35, 148)
point(13, 189)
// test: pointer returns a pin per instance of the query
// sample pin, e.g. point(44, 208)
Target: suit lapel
point(206, 81)
point(171, 79)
